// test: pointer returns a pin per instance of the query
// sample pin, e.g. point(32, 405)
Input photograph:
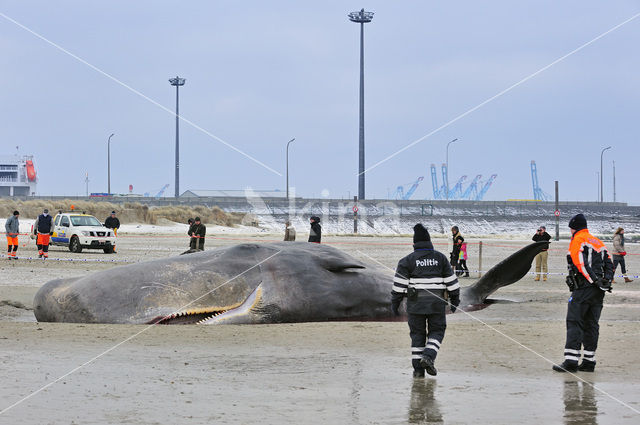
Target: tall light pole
point(288, 143)
point(601, 154)
point(361, 18)
point(447, 182)
point(614, 181)
point(177, 82)
point(109, 164)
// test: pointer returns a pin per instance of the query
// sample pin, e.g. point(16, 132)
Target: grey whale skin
point(302, 282)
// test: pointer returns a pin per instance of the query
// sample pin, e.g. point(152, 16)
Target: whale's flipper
point(506, 272)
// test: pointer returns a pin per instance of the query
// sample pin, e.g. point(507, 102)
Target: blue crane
point(538, 194)
point(456, 190)
point(445, 179)
point(434, 182)
point(472, 190)
point(404, 196)
point(159, 194)
point(486, 187)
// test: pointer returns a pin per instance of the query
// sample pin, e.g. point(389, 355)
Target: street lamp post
point(177, 82)
point(288, 143)
point(109, 164)
point(601, 154)
point(447, 182)
point(361, 18)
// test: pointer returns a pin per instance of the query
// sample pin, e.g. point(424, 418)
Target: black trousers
point(583, 329)
point(619, 259)
point(427, 333)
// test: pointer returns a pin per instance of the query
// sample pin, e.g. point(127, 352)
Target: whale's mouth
point(188, 317)
point(209, 315)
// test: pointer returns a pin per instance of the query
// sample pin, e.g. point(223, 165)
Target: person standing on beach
point(112, 222)
point(192, 241)
point(619, 254)
point(198, 231)
point(424, 276)
point(289, 232)
point(590, 275)
point(315, 234)
point(543, 256)
point(43, 229)
point(458, 240)
point(12, 228)
point(462, 261)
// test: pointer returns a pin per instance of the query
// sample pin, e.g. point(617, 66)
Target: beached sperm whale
point(247, 283)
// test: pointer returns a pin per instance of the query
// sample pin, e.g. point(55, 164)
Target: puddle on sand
point(504, 399)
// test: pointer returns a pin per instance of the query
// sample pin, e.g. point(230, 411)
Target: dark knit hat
point(16, 213)
point(113, 212)
point(197, 218)
point(578, 222)
point(420, 233)
point(45, 211)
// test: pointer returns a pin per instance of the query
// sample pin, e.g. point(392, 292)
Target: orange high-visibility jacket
point(589, 255)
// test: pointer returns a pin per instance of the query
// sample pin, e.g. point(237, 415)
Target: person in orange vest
point(590, 275)
point(43, 229)
point(12, 227)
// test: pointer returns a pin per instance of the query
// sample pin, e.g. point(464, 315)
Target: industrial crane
point(538, 194)
point(486, 187)
point(404, 196)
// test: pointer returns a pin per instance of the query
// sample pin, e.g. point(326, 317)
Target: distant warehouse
point(248, 193)
point(17, 176)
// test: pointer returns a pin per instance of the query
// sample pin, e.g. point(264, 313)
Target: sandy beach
point(494, 367)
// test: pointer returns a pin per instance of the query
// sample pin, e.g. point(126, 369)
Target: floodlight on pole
point(177, 82)
point(601, 154)
point(447, 182)
point(361, 18)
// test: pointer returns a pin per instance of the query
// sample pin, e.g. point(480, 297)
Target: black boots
point(566, 367)
point(587, 366)
point(418, 373)
point(427, 364)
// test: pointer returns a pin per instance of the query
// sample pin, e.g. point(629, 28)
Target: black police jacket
point(428, 273)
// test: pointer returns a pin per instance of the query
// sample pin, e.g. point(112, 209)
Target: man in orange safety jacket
point(590, 275)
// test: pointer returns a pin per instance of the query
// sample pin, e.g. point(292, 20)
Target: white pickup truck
point(78, 231)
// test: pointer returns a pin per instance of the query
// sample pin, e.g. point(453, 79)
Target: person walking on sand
point(619, 254)
point(289, 232)
point(43, 229)
point(590, 274)
point(462, 261)
point(12, 228)
point(543, 256)
point(423, 277)
point(112, 222)
point(198, 231)
point(315, 233)
point(458, 240)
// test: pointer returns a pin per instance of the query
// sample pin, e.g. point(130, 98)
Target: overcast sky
point(261, 73)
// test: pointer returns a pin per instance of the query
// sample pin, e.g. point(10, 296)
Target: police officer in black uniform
point(424, 277)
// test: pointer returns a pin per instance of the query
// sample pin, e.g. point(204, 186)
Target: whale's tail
point(506, 272)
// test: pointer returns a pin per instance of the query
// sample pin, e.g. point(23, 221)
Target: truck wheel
point(74, 245)
point(108, 250)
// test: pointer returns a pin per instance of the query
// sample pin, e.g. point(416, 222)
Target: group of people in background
point(618, 253)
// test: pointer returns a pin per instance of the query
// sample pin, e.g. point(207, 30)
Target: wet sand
point(342, 372)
